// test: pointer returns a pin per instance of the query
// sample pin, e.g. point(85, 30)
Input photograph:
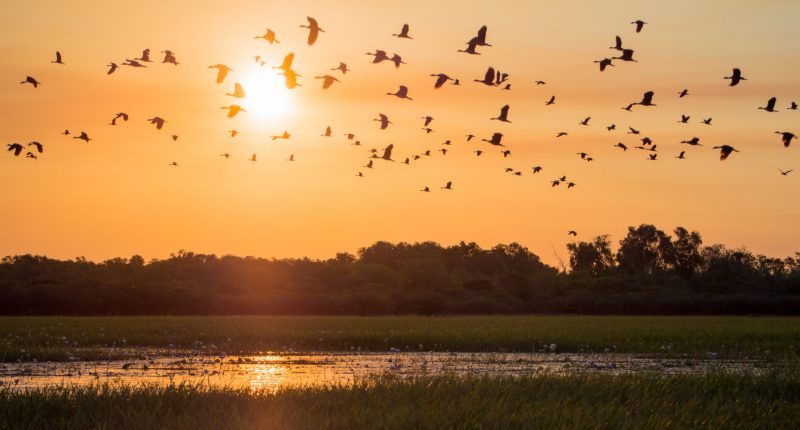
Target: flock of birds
point(493, 77)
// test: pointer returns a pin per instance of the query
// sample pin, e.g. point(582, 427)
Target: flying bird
point(112, 67)
point(384, 120)
point(39, 146)
point(397, 60)
point(31, 80)
point(327, 81)
point(552, 101)
point(158, 121)
point(495, 140)
point(222, 71)
point(639, 25)
point(647, 99)
point(627, 55)
point(770, 107)
point(314, 30)
point(681, 156)
point(238, 91)
point(133, 63)
point(402, 93)
point(387, 153)
point(695, 141)
point(403, 33)
point(572, 233)
point(58, 59)
point(269, 36)
point(122, 115)
point(16, 147)
point(735, 77)
point(621, 145)
point(488, 78)
point(342, 67)
point(169, 57)
point(145, 56)
point(683, 93)
point(83, 136)
point(503, 114)
point(448, 185)
point(725, 151)
point(785, 172)
point(585, 121)
point(684, 119)
point(233, 110)
point(617, 44)
point(327, 132)
point(707, 121)
point(285, 135)
point(441, 79)
point(605, 62)
point(786, 137)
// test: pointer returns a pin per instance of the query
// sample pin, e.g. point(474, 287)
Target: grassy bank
point(710, 401)
point(58, 338)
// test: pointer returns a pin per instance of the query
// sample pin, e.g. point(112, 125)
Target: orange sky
point(117, 196)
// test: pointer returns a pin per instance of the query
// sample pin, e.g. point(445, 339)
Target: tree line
point(651, 272)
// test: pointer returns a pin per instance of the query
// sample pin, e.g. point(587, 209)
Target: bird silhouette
point(495, 140)
point(503, 114)
point(65, 133)
point(647, 99)
point(695, 141)
point(540, 83)
point(342, 67)
point(133, 63)
point(233, 132)
point(233, 110)
point(222, 71)
point(173, 164)
point(506, 153)
point(611, 127)
point(402, 93)
point(585, 121)
point(379, 56)
point(158, 121)
point(269, 36)
point(291, 157)
point(683, 93)
point(428, 120)
point(175, 137)
point(562, 133)
point(633, 130)
point(488, 78)
point(313, 30)
point(725, 151)
point(145, 56)
point(327, 132)
point(360, 175)
point(639, 25)
point(39, 146)
point(253, 157)
point(793, 106)
point(770, 107)
point(684, 119)
point(387, 153)
point(572, 233)
point(785, 172)
point(369, 164)
point(629, 108)
point(735, 77)
point(536, 169)
point(470, 137)
point(83, 136)
point(327, 81)
point(238, 91)
point(397, 60)
point(448, 185)
point(653, 157)
point(226, 155)
point(681, 156)
point(58, 59)
point(15, 147)
point(482, 36)
point(552, 101)
point(287, 62)
point(471, 47)
point(441, 79)
point(605, 62)
point(617, 44)
point(621, 145)
point(122, 115)
point(786, 137)
point(31, 155)
point(627, 55)
point(403, 33)
point(31, 80)
point(169, 57)
point(384, 120)
point(285, 135)
point(291, 78)
point(112, 67)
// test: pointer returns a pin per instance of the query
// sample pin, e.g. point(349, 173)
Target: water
point(274, 371)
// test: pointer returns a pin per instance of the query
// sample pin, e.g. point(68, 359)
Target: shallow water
point(274, 371)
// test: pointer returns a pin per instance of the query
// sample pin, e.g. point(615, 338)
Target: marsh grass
point(709, 401)
point(100, 338)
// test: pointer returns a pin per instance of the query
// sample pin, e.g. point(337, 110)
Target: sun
point(266, 95)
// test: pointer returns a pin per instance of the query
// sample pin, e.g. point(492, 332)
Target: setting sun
point(267, 96)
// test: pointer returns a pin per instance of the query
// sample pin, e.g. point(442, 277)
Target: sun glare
point(266, 94)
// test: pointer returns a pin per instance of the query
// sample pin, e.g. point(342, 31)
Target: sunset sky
point(117, 195)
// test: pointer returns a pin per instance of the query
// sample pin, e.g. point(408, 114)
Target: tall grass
point(58, 338)
point(711, 401)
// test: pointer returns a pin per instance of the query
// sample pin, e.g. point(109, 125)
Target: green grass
point(43, 338)
point(711, 401)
